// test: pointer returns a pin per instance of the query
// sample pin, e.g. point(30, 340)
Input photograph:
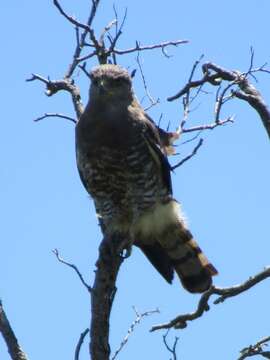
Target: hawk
point(122, 162)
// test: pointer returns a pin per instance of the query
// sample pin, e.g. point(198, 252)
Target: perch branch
point(180, 322)
point(74, 267)
point(103, 292)
point(14, 349)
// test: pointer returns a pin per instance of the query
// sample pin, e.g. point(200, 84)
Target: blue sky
point(224, 190)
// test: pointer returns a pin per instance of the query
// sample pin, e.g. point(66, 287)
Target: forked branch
point(74, 267)
point(139, 317)
point(180, 322)
point(238, 84)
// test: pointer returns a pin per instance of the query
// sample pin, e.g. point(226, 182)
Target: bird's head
point(110, 83)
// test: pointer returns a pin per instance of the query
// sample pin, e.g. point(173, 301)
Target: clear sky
point(224, 190)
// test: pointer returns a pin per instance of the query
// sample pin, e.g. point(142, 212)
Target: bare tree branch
point(118, 33)
point(153, 101)
point(61, 116)
point(208, 126)
point(139, 317)
point(172, 349)
point(256, 349)
point(74, 267)
point(180, 322)
point(70, 18)
point(14, 348)
point(87, 30)
point(79, 345)
point(139, 47)
point(53, 86)
point(102, 296)
point(244, 90)
point(194, 151)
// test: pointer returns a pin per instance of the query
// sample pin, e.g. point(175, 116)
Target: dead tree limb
point(238, 84)
point(139, 317)
point(180, 322)
point(14, 348)
point(102, 295)
point(74, 267)
point(66, 84)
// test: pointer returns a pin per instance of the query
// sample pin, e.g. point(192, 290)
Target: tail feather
point(188, 260)
point(162, 235)
point(159, 259)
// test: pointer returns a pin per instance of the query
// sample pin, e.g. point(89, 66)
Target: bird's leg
point(126, 252)
point(123, 245)
point(116, 244)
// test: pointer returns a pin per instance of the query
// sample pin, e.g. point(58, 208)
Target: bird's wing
point(167, 138)
point(152, 138)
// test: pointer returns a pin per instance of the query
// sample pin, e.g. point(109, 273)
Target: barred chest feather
point(119, 169)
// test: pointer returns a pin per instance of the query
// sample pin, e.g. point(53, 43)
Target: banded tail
point(170, 246)
point(187, 258)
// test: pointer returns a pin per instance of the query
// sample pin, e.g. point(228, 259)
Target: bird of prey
point(122, 162)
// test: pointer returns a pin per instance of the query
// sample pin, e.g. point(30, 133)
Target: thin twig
point(220, 101)
point(215, 74)
point(186, 98)
point(83, 68)
point(208, 126)
point(74, 267)
point(150, 47)
point(153, 102)
point(61, 116)
point(118, 33)
point(86, 30)
point(79, 344)
point(172, 349)
point(180, 322)
point(139, 48)
point(70, 18)
point(139, 317)
point(194, 151)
